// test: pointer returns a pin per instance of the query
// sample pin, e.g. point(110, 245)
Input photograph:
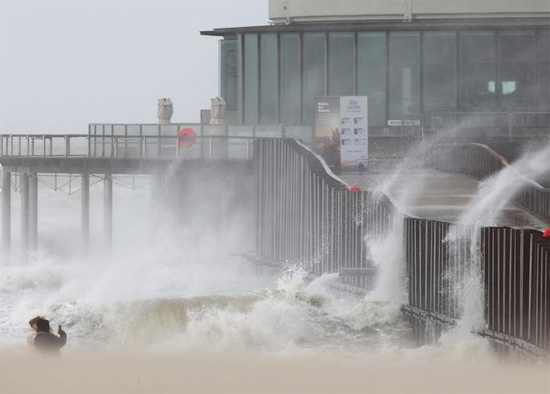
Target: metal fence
point(307, 216)
point(150, 141)
point(517, 287)
point(489, 124)
point(514, 268)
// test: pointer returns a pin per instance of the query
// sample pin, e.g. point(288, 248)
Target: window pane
point(341, 64)
point(439, 68)
point(404, 75)
point(517, 58)
point(544, 71)
point(477, 71)
point(314, 72)
point(268, 78)
point(250, 78)
point(228, 72)
point(372, 74)
point(290, 78)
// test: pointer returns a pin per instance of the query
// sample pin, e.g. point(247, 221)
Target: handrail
point(126, 146)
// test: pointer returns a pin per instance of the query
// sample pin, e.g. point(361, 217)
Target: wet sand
point(194, 372)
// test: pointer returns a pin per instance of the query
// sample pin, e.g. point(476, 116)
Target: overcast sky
point(67, 63)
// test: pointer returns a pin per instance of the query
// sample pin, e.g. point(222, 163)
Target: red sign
point(186, 137)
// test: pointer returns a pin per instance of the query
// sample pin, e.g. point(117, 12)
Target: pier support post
point(33, 211)
point(108, 208)
point(6, 211)
point(24, 187)
point(85, 210)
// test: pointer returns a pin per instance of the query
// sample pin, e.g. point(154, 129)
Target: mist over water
point(176, 280)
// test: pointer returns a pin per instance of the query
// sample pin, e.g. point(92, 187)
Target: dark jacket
point(47, 342)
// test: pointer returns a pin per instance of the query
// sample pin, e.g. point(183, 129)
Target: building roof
point(363, 25)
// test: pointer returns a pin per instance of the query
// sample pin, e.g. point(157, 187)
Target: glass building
point(420, 68)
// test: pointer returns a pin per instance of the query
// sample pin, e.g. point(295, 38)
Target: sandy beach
point(196, 372)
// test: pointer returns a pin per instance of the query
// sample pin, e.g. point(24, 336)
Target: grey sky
point(67, 63)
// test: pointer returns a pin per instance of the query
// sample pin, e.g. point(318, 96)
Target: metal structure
point(307, 216)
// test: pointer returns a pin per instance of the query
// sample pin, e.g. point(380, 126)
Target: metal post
point(24, 211)
point(33, 211)
point(6, 210)
point(85, 209)
point(108, 208)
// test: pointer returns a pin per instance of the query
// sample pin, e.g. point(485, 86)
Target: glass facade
point(477, 64)
point(371, 74)
point(543, 77)
point(290, 101)
point(314, 69)
point(269, 90)
point(439, 73)
point(404, 89)
point(517, 57)
point(229, 73)
point(341, 64)
point(276, 76)
point(251, 78)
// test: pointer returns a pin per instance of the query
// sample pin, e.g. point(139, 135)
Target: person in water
point(47, 342)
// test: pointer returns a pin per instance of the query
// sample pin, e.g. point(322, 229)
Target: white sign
point(354, 150)
point(341, 131)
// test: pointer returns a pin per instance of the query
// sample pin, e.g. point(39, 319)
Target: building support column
point(85, 210)
point(24, 189)
point(33, 211)
point(6, 211)
point(108, 208)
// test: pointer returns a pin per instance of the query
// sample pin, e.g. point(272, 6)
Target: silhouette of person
point(47, 342)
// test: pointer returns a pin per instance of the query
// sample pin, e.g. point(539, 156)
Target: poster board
point(341, 131)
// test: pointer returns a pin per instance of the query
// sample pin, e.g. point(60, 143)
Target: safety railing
point(306, 216)
point(510, 125)
point(126, 147)
point(44, 145)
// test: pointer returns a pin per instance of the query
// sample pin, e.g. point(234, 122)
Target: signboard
point(341, 131)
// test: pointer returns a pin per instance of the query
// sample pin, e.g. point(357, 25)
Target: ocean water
point(170, 285)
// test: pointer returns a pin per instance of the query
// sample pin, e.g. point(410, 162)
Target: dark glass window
point(477, 84)
point(314, 72)
point(290, 78)
point(268, 78)
point(371, 74)
point(228, 72)
point(250, 78)
point(404, 75)
point(544, 71)
point(517, 60)
point(341, 64)
point(439, 73)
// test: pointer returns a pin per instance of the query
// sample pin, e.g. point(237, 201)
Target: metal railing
point(126, 147)
point(307, 216)
point(495, 124)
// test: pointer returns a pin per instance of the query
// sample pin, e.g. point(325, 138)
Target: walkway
point(435, 195)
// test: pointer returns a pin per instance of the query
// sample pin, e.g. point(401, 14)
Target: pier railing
point(307, 216)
